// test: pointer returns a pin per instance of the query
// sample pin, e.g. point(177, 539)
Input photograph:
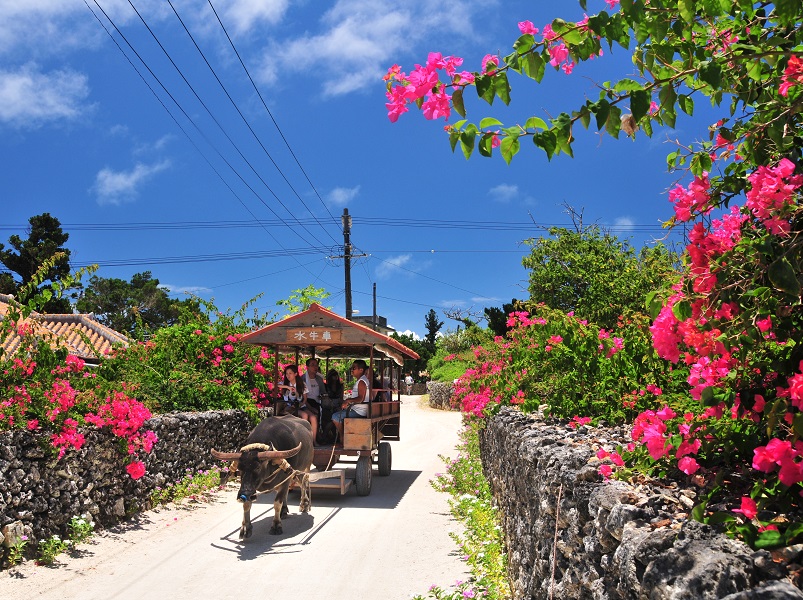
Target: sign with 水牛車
point(313, 335)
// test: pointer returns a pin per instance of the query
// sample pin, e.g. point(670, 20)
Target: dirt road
point(389, 545)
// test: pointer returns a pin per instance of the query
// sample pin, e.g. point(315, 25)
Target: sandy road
point(390, 545)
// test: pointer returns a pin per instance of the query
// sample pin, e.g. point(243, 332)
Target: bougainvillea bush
point(44, 390)
point(196, 364)
point(732, 324)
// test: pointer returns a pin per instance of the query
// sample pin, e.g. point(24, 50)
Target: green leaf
point(457, 102)
point(533, 66)
point(686, 104)
point(701, 163)
point(710, 73)
point(783, 277)
point(524, 43)
point(486, 145)
point(602, 110)
point(454, 136)
point(627, 85)
point(467, 140)
point(686, 10)
point(682, 310)
point(509, 148)
point(535, 123)
point(698, 512)
point(488, 122)
point(797, 424)
point(639, 103)
point(502, 87)
point(547, 141)
point(614, 123)
point(485, 88)
point(769, 539)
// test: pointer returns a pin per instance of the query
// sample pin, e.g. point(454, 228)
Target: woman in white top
point(355, 403)
point(292, 388)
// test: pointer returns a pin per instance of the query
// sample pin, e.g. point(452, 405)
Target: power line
point(200, 258)
point(247, 124)
point(206, 159)
point(222, 129)
point(270, 114)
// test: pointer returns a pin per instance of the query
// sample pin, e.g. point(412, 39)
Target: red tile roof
point(81, 334)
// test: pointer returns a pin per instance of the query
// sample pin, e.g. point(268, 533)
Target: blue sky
point(84, 138)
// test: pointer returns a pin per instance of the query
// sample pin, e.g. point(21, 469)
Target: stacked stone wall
point(440, 394)
point(608, 540)
point(40, 494)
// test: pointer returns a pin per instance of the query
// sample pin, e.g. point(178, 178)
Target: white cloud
point(624, 224)
point(30, 98)
point(341, 196)
point(392, 266)
point(481, 299)
point(412, 333)
point(244, 14)
point(116, 187)
point(453, 303)
point(360, 38)
point(504, 192)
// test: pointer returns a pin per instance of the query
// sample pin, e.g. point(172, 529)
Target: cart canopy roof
point(321, 332)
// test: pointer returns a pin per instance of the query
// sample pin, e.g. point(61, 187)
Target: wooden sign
point(313, 335)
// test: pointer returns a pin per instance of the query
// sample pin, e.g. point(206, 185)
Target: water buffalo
point(278, 451)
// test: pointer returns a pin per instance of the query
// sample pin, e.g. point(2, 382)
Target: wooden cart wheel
point(384, 460)
point(362, 475)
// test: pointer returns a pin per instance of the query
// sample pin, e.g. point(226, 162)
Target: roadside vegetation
point(480, 540)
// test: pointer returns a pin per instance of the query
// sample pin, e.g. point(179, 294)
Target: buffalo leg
point(279, 508)
point(306, 502)
point(247, 529)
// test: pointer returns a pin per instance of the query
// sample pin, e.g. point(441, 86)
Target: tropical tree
point(433, 326)
point(303, 298)
point(594, 273)
point(23, 258)
point(127, 306)
point(497, 317)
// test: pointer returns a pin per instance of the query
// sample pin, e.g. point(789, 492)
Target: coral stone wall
point(440, 394)
point(39, 494)
point(607, 540)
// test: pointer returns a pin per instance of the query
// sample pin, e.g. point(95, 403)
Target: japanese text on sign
point(313, 335)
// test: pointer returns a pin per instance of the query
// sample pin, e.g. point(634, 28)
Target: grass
point(193, 486)
point(481, 543)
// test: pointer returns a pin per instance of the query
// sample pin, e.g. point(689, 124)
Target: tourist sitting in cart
point(356, 402)
point(294, 395)
point(334, 387)
point(314, 387)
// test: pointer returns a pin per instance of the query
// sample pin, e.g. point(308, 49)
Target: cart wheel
point(384, 460)
point(362, 475)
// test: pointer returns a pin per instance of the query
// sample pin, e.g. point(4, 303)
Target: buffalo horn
point(226, 455)
point(274, 454)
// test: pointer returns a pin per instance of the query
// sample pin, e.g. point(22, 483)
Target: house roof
point(327, 333)
point(81, 334)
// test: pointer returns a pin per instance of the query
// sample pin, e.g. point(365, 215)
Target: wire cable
point(247, 124)
point(270, 114)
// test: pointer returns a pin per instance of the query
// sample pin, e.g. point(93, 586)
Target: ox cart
point(322, 334)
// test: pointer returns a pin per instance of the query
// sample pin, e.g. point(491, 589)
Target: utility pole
point(346, 220)
point(347, 256)
point(374, 306)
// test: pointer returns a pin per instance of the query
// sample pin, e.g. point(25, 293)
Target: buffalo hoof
point(245, 532)
point(304, 507)
point(276, 530)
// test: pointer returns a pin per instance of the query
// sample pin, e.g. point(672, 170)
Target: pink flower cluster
point(771, 193)
point(423, 83)
point(783, 454)
point(792, 75)
point(692, 200)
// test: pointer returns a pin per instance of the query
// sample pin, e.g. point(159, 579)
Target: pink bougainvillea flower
point(748, 507)
point(490, 59)
point(606, 471)
point(688, 465)
point(528, 27)
point(136, 469)
point(612, 3)
point(792, 75)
